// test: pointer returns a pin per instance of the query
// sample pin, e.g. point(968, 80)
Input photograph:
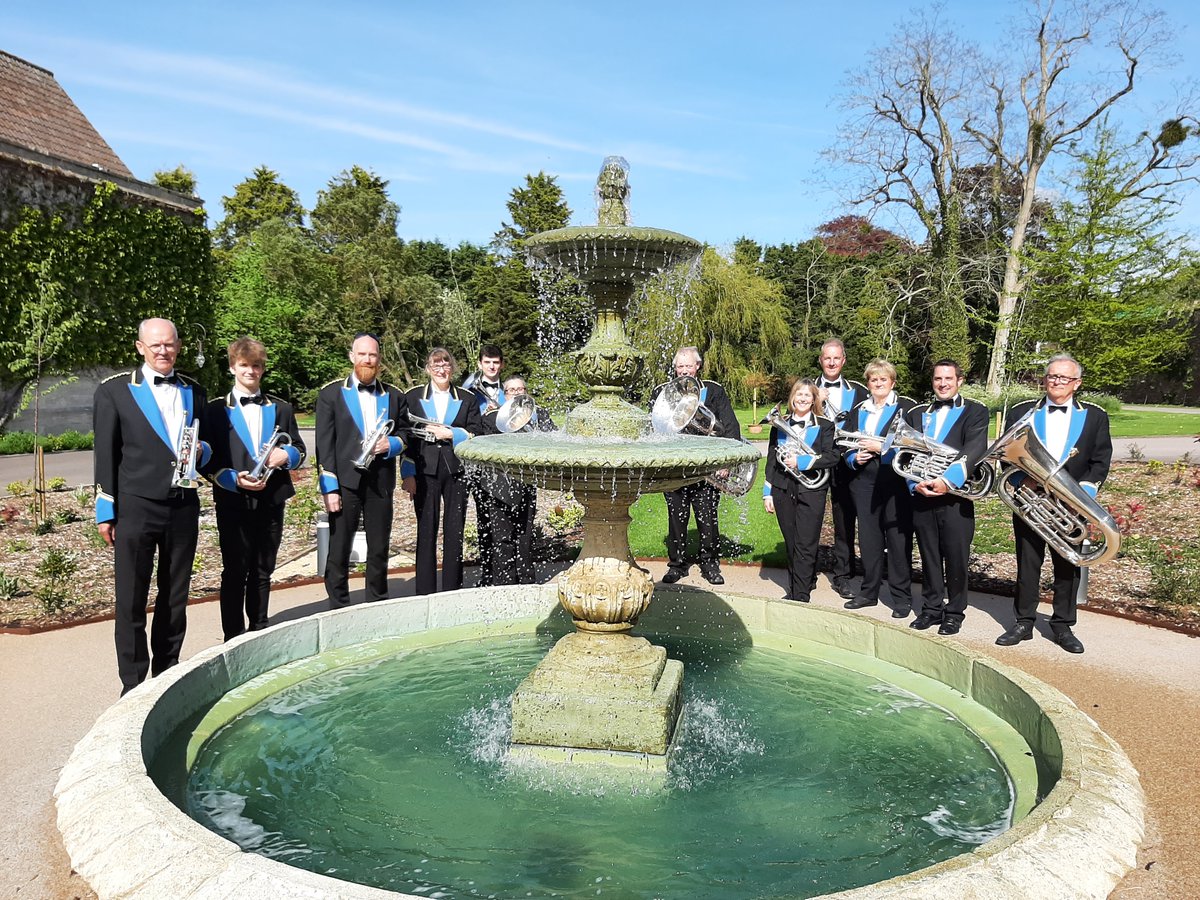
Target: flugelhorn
point(383, 425)
point(261, 471)
point(796, 446)
point(678, 410)
point(1062, 513)
point(921, 458)
point(186, 475)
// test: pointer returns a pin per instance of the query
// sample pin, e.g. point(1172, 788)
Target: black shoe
point(673, 575)
point(712, 575)
point(803, 598)
point(1068, 641)
point(841, 587)
point(860, 603)
point(901, 612)
point(926, 620)
point(950, 626)
point(1022, 631)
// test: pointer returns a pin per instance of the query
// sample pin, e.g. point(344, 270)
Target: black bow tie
point(257, 398)
point(371, 388)
point(166, 379)
point(831, 384)
point(490, 385)
point(940, 404)
point(1054, 408)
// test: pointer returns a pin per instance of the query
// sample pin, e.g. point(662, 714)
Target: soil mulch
point(1156, 578)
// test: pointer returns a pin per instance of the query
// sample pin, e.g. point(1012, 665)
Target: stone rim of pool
point(126, 839)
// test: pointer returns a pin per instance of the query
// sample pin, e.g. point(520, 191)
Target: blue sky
point(722, 109)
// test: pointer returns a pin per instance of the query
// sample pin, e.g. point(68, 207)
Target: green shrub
point(74, 440)
point(1175, 574)
point(84, 496)
point(55, 570)
point(16, 442)
point(23, 442)
point(20, 488)
point(46, 526)
point(10, 586)
point(57, 483)
point(566, 516)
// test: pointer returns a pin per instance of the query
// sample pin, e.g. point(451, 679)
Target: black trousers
point(249, 531)
point(883, 508)
point(703, 498)
point(945, 527)
point(843, 513)
point(146, 527)
point(800, 523)
point(506, 557)
point(1031, 552)
point(374, 505)
point(442, 496)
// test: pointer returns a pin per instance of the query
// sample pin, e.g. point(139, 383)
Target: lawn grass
point(1129, 423)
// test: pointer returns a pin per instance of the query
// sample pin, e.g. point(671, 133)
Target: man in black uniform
point(143, 421)
point(701, 497)
point(943, 521)
point(349, 412)
point(494, 496)
point(250, 511)
point(838, 396)
point(524, 506)
point(1077, 435)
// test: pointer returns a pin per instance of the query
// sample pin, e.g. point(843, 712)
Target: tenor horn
point(1050, 501)
point(795, 445)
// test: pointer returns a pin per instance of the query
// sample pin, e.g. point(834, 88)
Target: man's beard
point(365, 372)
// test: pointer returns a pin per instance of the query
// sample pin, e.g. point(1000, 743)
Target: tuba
point(795, 446)
point(186, 475)
point(515, 414)
point(735, 481)
point(1062, 513)
point(921, 458)
point(383, 426)
point(678, 410)
point(261, 471)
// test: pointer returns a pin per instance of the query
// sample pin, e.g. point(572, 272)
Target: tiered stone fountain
point(600, 688)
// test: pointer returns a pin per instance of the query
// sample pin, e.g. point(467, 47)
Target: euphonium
point(261, 471)
point(678, 410)
point(796, 446)
point(186, 475)
point(920, 458)
point(383, 425)
point(1058, 509)
point(515, 414)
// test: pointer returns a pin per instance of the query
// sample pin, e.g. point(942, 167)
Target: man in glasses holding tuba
point(701, 497)
point(256, 445)
point(1077, 436)
point(359, 418)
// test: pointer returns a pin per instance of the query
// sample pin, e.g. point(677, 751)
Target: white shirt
point(441, 402)
point(170, 404)
point(252, 413)
point(939, 417)
point(367, 403)
point(1058, 426)
point(874, 413)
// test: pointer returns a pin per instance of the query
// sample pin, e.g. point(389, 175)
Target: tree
point(856, 236)
point(179, 180)
point(255, 201)
point(1105, 283)
point(354, 207)
point(537, 207)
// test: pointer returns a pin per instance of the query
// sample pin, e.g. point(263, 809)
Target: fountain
point(599, 695)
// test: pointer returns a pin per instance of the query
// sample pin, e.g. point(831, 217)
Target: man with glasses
point(1077, 435)
point(139, 419)
point(349, 411)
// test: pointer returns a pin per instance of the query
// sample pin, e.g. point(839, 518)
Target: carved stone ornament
point(604, 593)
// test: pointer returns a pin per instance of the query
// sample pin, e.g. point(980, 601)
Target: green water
point(793, 777)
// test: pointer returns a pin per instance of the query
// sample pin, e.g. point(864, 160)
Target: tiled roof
point(36, 113)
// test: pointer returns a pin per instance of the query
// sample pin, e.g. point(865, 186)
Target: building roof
point(37, 114)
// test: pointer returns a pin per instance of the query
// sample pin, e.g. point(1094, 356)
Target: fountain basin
point(128, 840)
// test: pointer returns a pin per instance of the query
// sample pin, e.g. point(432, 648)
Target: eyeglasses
point(160, 348)
point(441, 365)
point(1061, 379)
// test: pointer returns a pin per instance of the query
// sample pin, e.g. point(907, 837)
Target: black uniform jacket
point(841, 399)
point(341, 431)
point(1088, 436)
point(462, 416)
point(132, 452)
point(820, 437)
point(233, 451)
point(857, 421)
point(964, 428)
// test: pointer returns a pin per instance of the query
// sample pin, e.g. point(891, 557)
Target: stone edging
point(128, 840)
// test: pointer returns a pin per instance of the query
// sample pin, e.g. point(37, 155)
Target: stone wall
point(66, 408)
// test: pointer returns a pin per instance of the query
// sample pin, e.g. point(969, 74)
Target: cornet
point(423, 430)
point(383, 426)
point(261, 471)
point(920, 458)
point(1062, 513)
point(796, 446)
point(186, 475)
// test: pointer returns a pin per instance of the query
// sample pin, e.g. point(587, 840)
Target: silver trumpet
point(921, 458)
point(796, 446)
point(383, 425)
point(1063, 514)
point(516, 414)
point(261, 471)
point(186, 475)
point(678, 410)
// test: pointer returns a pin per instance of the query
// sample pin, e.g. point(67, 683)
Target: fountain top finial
point(612, 192)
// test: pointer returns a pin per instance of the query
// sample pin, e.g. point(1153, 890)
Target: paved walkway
point(1142, 685)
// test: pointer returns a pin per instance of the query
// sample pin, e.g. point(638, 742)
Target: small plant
point(55, 571)
point(95, 540)
point(1129, 518)
point(1175, 574)
point(302, 509)
point(57, 483)
point(1154, 466)
point(10, 586)
point(471, 541)
point(9, 513)
point(565, 516)
point(84, 496)
point(65, 517)
point(1180, 468)
point(46, 526)
point(20, 488)
point(19, 545)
